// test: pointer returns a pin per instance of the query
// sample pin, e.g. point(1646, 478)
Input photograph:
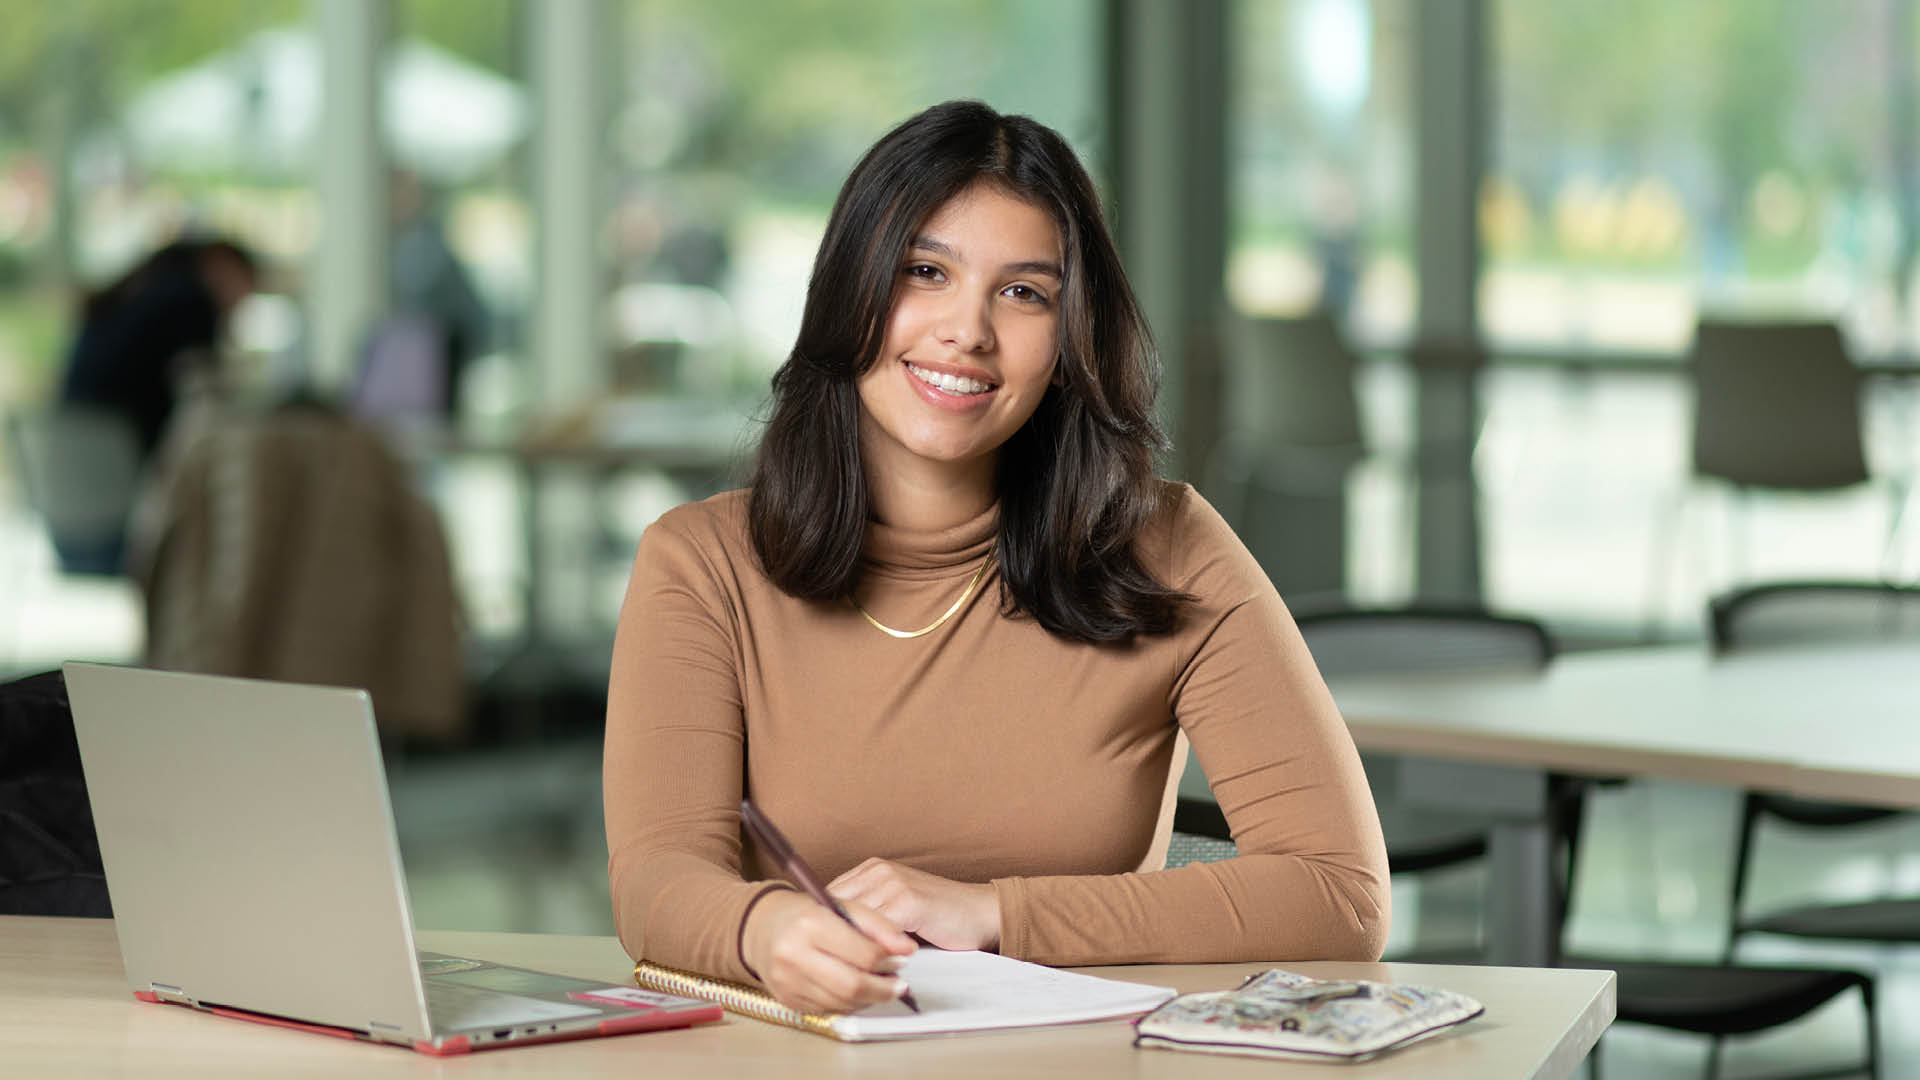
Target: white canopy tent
point(258, 108)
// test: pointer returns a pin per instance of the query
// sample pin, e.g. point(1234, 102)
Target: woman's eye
point(1026, 294)
point(923, 271)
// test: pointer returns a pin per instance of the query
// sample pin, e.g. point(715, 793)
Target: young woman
point(948, 636)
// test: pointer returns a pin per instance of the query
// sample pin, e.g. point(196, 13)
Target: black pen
point(781, 852)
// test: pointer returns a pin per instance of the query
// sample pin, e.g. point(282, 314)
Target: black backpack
point(49, 855)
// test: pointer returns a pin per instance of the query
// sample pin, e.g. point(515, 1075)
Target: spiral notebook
point(959, 992)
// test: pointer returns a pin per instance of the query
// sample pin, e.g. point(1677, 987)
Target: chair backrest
point(1291, 386)
point(1351, 642)
point(80, 468)
point(1292, 435)
point(294, 546)
point(1811, 612)
point(1776, 405)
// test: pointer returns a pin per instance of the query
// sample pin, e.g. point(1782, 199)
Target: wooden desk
point(1840, 723)
point(65, 1011)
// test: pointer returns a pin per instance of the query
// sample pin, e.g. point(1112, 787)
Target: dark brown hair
point(176, 259)
point(1076, 482)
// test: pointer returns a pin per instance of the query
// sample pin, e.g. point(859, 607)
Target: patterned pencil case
point(1285, 1015)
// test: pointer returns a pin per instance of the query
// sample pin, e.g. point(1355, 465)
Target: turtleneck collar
point(929, 552)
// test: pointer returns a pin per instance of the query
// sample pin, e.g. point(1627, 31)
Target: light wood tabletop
point(65, 1010)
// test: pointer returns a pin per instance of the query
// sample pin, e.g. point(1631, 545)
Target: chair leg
point(1742, 859)
point(1890, 555)
point(1713, 1058)
point(1873, 1032)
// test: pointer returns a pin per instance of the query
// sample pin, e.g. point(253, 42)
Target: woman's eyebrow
point(1031, 266)
point(1035, 267)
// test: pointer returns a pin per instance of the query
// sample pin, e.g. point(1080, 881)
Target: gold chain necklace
point(935, 624)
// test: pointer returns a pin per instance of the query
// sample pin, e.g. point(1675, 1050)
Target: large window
point(736, 123)
point(1321, 212)
point(1652, 164)
point(122, 125)
point(1652, 161)
point(1321, 219)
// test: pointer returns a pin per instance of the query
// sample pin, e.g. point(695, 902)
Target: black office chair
point(1409, 639)
point(1787, 613)
point(1722, 1000)
point(1728, 999)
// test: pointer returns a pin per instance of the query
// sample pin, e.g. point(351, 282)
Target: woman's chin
point(947, 452)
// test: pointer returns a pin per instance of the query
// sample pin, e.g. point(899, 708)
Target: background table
point(711, 442)
point(1839, 723)
point(65, 1011)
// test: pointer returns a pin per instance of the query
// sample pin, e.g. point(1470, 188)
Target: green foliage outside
point(783, 97)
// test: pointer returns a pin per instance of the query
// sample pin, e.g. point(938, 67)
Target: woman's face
point(971, 339)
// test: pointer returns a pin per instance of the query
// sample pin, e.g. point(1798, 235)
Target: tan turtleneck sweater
point(986, 751)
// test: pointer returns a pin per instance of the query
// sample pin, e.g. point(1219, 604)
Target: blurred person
point(143, 334)
point(949, 637)
point(1335, 229)
point(431, 287)
point(142, 341)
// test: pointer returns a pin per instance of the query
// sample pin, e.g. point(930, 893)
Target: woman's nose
point(966, 324)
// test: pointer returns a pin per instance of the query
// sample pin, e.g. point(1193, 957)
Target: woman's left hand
point(945, 914)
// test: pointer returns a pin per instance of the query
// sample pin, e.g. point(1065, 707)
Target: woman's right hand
point(812, 961)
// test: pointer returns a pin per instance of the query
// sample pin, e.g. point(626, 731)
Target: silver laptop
point(250, 855)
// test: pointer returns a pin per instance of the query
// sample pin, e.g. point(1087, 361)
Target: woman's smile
point(948, 389)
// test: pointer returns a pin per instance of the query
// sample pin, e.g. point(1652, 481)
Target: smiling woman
point(949, 635)
point(1073, 477)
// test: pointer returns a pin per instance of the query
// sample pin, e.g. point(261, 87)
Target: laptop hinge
point(173, 994)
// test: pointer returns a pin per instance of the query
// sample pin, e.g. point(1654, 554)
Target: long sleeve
point(1311, 879)
point(673, 770)
point(991, 751)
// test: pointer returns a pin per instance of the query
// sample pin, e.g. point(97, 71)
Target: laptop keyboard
point(451, 1006)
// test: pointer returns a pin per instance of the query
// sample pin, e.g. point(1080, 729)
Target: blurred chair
point(1292, 435)
point(80, 468)
point(1776, 406)
point(1390, 640)
point(49, 855)
point(1800, 613)
point(1721, 1000)
point(1727, 999)
point(294, 546)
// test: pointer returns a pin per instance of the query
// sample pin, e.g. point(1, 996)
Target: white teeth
point(952, 384)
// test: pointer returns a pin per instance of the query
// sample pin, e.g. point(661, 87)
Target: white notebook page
point(977, 991)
